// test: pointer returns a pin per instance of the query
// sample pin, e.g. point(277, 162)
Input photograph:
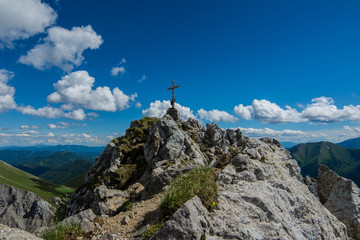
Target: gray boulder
point(342, 197)
point(85, 219)
point(7, 233)
point(188, 222)
point(24, 210)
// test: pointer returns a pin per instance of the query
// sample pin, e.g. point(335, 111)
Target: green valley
point(18, 178)
point(343, 161)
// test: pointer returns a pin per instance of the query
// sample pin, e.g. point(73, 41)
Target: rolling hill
point(343, 161)
point(18, 178)
point(351, 143)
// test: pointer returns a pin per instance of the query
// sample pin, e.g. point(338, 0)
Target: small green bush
point(200, 181)
point(63, 231)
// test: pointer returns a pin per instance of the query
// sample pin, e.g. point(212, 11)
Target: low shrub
point(63, 231)
point(200, 181)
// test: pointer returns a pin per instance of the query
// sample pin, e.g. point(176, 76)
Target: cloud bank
point(321, 110)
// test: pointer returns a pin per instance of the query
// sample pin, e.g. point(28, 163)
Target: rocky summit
point(253, 188)
point(260, 191)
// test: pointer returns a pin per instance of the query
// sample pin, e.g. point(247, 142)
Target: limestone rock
point(7, 233)
point(342, 197)
point(311, 185)
point(24, 210)
point(167, 141)
point(85, 219)
point(275, 206)
point(188, 222)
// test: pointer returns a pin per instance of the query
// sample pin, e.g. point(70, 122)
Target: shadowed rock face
point(342, 197)
point(23, 209)
point(261, 194)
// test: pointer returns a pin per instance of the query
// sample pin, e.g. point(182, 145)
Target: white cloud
point(158, 109)
point(138, 104)
point(31, 132)
point(24, 127)
point(59, 125)
point(116, 70)
point(92, 115)
point(7, 101)
point(216, 116)
point(143, 78)
point(62, 48)
point(288, 135)
point(22, 19)
point(29, 138)
point(267, 112)
point(47, 112)
point(322, 109)
point(76, 88)
point(77, 114)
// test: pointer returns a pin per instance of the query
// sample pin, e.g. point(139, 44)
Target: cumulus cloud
point(62, 48)
point(77, 114)
point(116, 70)
point(268, 112)
point(321, 110)
point(76, 88)
point(7, 92)
point(47, 112)
point(216, 116)
point(22, 19)
point(158, 109)
point(59, 125)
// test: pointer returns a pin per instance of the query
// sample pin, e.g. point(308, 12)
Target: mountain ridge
point(344, 161)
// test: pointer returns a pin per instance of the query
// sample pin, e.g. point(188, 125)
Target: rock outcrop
point(8, 233)
point(342, 197)
point(24, 210)
point(261, 194)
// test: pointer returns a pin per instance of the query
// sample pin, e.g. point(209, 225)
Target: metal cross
point(173, 91)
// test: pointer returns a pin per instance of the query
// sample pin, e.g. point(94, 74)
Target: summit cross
point(173, 92)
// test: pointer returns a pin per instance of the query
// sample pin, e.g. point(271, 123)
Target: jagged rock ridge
point(260, 190)
point(23, 209)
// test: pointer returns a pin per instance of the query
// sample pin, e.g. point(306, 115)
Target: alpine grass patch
point(200, 181)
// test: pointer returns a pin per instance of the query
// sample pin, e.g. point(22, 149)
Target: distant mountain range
point(344, 161)
point(57, 164)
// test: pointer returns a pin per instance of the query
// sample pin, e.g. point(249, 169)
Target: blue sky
point(78, 72)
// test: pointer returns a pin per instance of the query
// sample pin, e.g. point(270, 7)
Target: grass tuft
point(200, 181)
point(152, 229)
point(63, 231)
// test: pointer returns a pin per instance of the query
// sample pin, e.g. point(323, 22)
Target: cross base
point(174, 113)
